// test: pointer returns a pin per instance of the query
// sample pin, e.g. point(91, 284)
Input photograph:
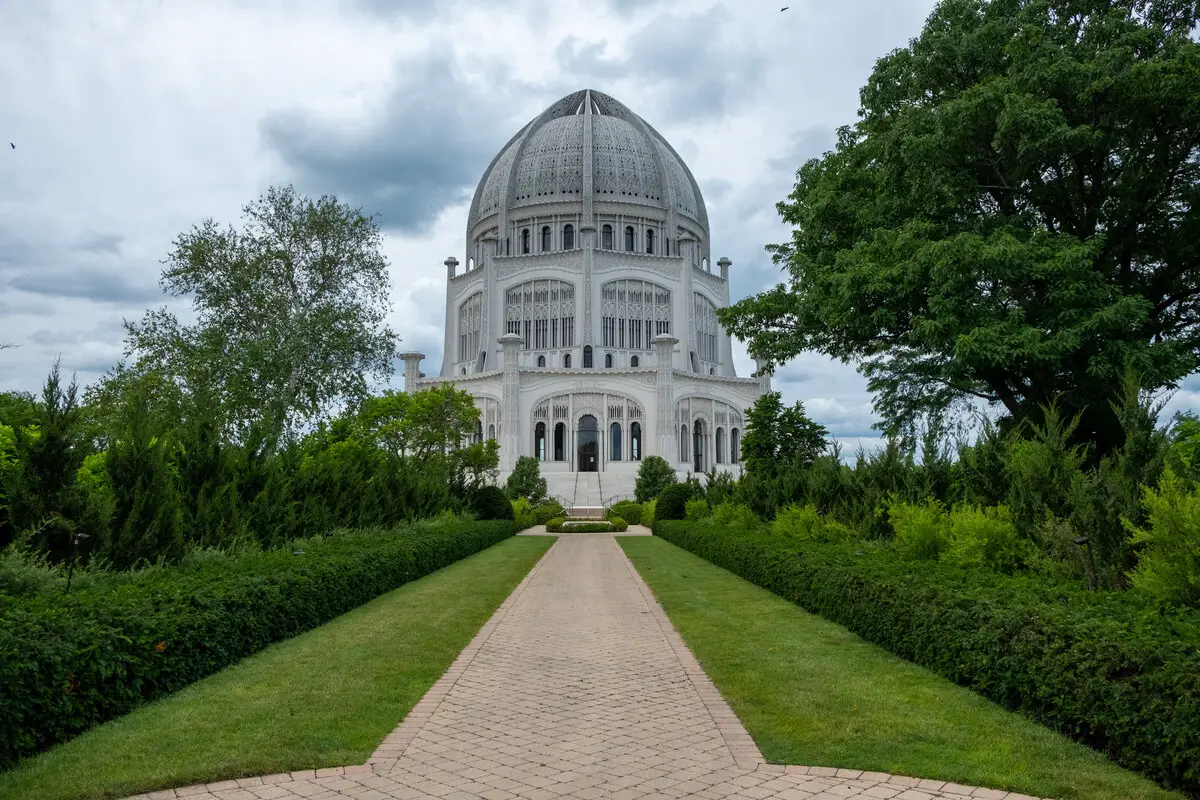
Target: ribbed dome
point(630, 163)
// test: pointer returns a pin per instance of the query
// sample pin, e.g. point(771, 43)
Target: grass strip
point(810, 692)
point(324, 698)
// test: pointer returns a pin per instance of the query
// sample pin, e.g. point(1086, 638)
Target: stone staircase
point(588, 498)
point(589, 493)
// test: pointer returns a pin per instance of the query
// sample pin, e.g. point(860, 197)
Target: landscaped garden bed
point(72, 661)
point(584, 525)
point(1114, 671)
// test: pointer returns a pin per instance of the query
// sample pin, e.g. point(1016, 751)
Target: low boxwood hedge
point(1110, 670)
point(68, 663)
point(563, 525)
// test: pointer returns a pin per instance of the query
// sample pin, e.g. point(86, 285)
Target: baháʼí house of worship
point(583, 320)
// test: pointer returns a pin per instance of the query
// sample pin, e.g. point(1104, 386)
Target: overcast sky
point(135, 119)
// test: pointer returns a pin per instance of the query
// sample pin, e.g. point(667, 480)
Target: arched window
point(539, 441)
point(735, 446)
point(478, 433)
point(698, 447)
point(614, 451)
point(541, 361)
point(606, 239)
point(560, 442)
point(470, 264)
point(567, 361)
point(545, 238)
point(462, 370)
point(587, 357)
point(712, 370)
point(634, 361)
point(683, 443)
point(492, 432)
point(629, 238)
point(608, 360)
point(650, 241)
point(470, 327)
point(706, 329)
point(525, 240)
point(568, 237)
point(720, 445)
point(542, 313)
point(666, 245)
point(635, 441)
point(634, 312)
point(587, 444)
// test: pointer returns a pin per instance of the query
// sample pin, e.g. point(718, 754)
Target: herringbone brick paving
point(578, 687)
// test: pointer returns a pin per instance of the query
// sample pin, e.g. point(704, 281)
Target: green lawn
point(325, 698)
point(812, 693)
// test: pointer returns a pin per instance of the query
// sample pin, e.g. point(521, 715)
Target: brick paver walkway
point(577, 687)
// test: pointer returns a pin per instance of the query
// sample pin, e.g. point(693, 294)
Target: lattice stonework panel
point(542, 313)
point(470, 327)
point(634, 312)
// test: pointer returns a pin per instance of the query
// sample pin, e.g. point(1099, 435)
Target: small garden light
point(75, 540)
point(1086, 541)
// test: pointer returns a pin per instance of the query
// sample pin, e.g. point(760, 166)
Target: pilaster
point(510, 403)
point(664, 420)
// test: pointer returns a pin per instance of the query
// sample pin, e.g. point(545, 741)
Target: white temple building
point(583, 320)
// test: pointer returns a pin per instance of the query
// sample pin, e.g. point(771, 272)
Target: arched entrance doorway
point(698, 446)
point(587, 440)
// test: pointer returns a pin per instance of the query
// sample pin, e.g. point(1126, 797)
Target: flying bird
point(785, 8)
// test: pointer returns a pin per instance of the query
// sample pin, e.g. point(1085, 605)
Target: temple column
point(664, 422)
point(412, 370)
point(763, 373)
point(451, 338)
point(510, 402)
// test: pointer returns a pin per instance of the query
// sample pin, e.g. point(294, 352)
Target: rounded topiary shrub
point(547, 510)
point(627, 510)
point(491, 503)
point(672, 503)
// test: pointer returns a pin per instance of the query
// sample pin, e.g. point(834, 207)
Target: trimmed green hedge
point(68, 663)
point(563, 525)
point(1108, 670)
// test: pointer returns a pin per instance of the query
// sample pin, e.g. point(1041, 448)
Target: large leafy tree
point(289, 312)
point(439, 428)
point(1013, 218)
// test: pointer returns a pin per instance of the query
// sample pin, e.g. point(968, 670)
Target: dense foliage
point(1013, 218)
point(1108, 669)
point(1040, 489)
point(672, 502)
point(654, 475)
point(289, 313)
point(779, 438)
point(627, 510)
point(491, 503)
point(141, 493)
point(73, 661)
point(526, 480)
